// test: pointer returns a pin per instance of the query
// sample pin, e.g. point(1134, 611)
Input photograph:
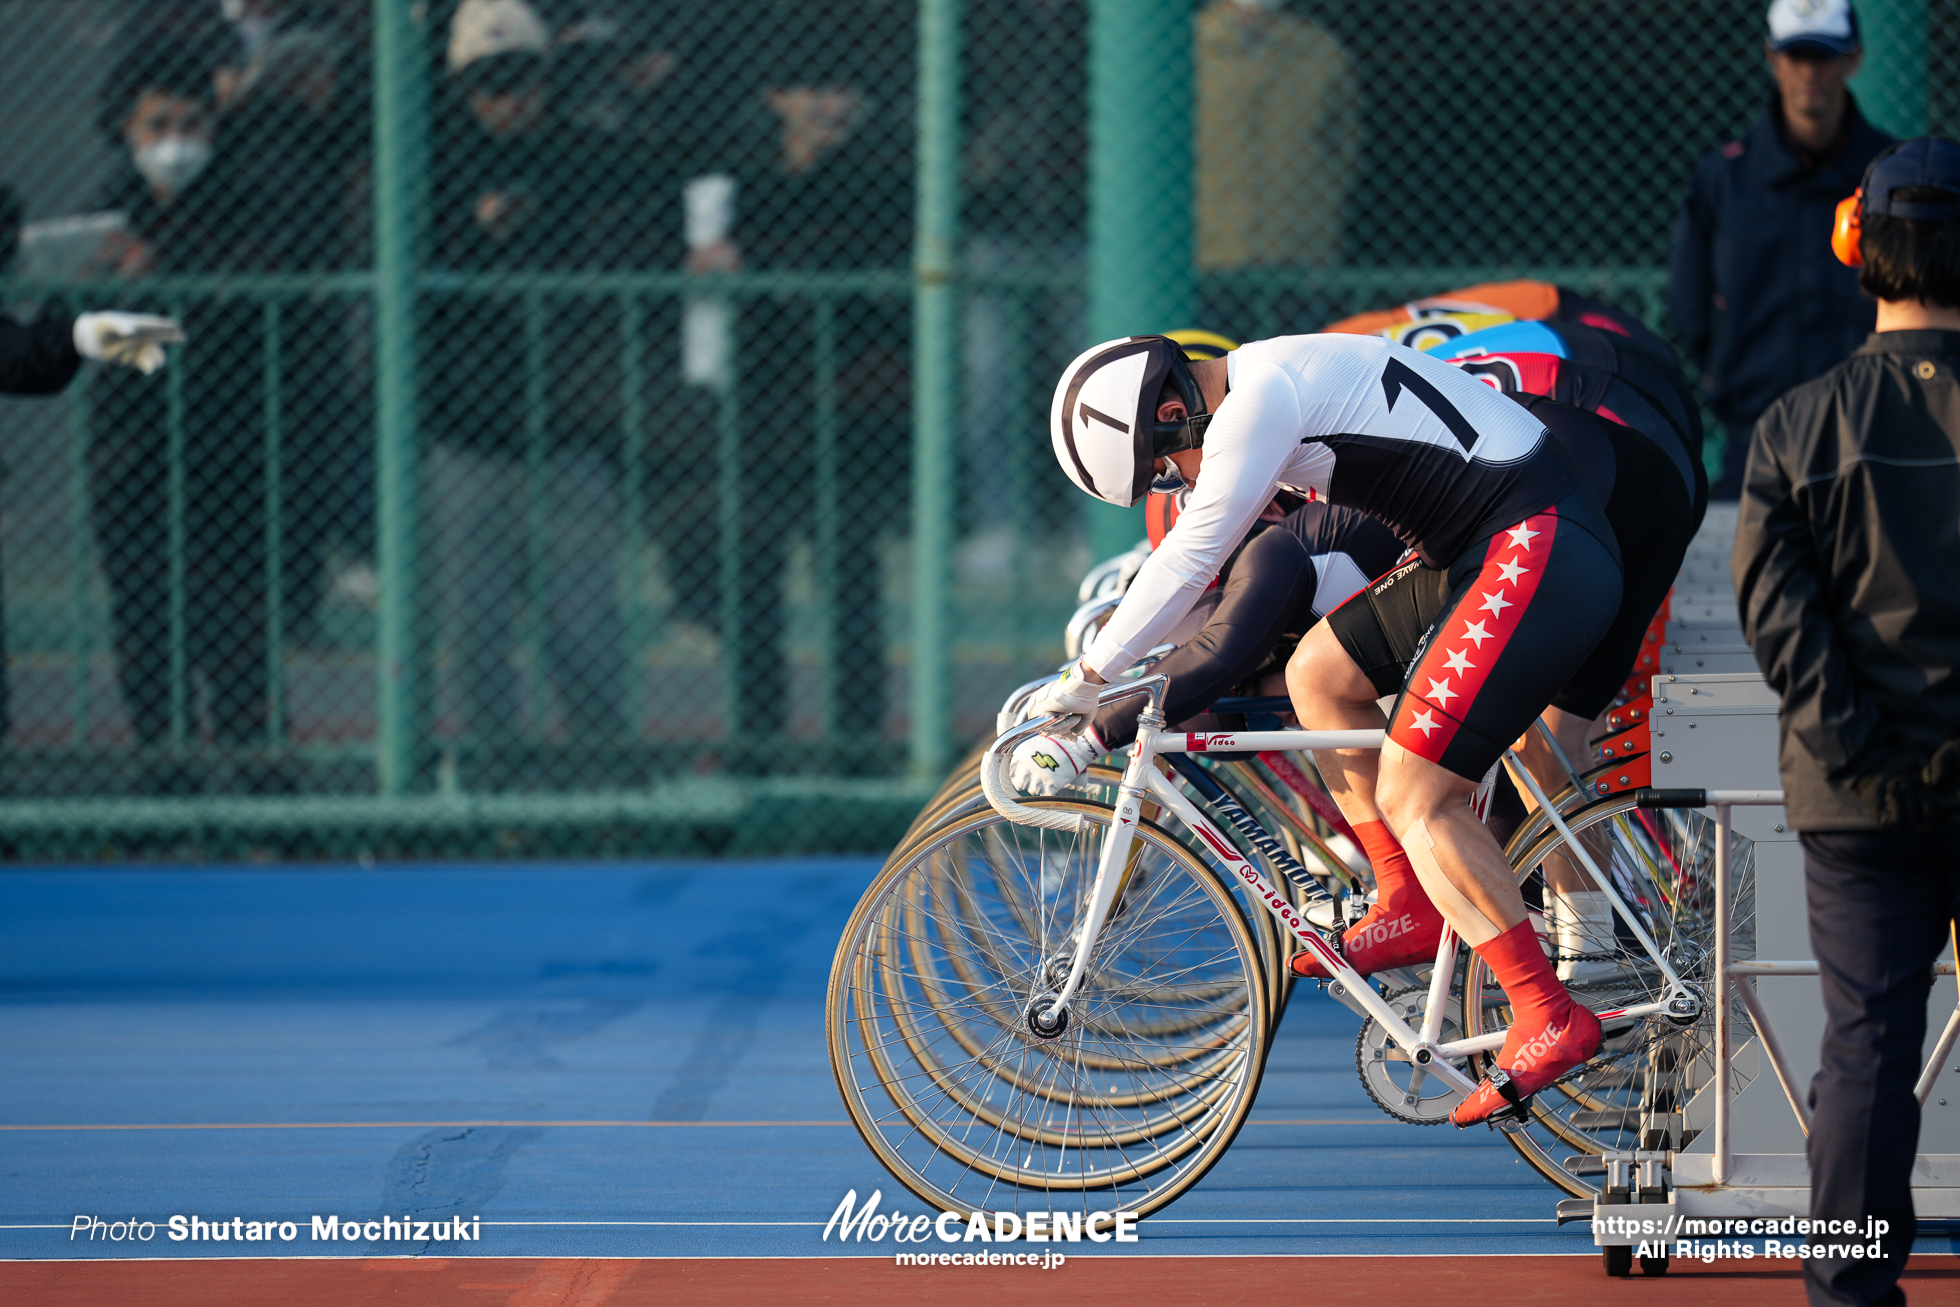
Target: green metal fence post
point(400, 183)
point(1891, 87)
point(633, 496)
point(178, 542)
point(823, 560)
point(271, 321)
point(935, 383)
point(1140, 273)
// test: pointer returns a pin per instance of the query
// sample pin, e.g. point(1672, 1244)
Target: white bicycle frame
point(1142, 777)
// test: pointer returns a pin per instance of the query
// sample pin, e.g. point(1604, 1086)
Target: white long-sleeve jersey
point(1360, 422)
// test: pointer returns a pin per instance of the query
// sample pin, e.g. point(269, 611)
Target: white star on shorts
point(1512, 571)
point(1522, 535)
point(1475, 633)
point(1441, 692)
point(1458, 662)
point(1495, 604)
point(1424, 721)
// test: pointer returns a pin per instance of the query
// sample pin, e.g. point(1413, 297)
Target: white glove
point(1072, 696)
point(1049, 764)
point(134, 339)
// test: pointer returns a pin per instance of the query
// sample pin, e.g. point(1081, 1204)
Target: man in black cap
point(1758, 299)
point(1847, 571)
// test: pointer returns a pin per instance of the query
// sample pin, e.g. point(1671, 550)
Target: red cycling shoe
point(1544, 1057)
point(1402, 929)
point(1550, 1034)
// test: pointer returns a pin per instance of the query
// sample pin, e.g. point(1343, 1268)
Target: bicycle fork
point(1049, 1019)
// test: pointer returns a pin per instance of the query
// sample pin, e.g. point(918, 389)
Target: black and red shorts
point(1652, 514)
point(1476, 650)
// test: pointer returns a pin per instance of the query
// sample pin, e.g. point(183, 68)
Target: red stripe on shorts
point(1469, 643)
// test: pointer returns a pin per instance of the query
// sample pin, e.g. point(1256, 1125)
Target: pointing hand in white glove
point(1049, 764)
point(133, 339)
point(1074, 695)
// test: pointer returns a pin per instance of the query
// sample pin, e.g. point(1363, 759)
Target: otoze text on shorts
point(868, 1224)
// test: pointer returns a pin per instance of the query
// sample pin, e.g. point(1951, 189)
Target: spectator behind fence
point(1847, 571)
point(1759, 301)
point(186, 214)
point(42, 357)
point(1277, 138)
point(258, 27)
point(290, 148)
point(513, 194)
point(831, 193)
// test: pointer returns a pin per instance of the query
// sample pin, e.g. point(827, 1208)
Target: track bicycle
point(1009, 1029)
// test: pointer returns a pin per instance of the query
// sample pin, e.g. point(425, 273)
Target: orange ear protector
point(1848, 228)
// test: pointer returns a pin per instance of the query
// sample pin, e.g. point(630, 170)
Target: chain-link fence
point(622, 424)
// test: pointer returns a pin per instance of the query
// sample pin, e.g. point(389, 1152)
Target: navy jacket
point(1761, 302)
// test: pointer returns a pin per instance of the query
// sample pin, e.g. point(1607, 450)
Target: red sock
point(1394, 877)
point(1403, 927)
point(1538, 1000)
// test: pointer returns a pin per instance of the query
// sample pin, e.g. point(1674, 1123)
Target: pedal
point(1516, 1114)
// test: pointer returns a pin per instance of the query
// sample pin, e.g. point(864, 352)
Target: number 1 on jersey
point(1398, 375)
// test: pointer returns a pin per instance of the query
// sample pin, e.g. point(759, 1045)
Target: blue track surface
point(659, 992)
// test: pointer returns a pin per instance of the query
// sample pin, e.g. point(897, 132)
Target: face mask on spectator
point(173, 162)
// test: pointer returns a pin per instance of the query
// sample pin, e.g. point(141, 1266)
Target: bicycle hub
point(1039, 1023)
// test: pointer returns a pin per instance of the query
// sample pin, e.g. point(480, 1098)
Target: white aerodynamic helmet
point(1104, 417)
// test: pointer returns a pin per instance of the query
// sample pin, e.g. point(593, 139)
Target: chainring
point(1399, 1087)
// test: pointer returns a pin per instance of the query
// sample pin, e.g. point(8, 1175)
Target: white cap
point(1830, 25)
point(483, 28)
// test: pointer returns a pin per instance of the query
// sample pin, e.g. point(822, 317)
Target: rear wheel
point(1644, 1090)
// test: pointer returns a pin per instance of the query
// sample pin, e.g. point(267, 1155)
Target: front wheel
point(956, 1085)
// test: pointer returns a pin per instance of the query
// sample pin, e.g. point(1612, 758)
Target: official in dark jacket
point(42, 357)
point(1760, 303)
point(1847, 570)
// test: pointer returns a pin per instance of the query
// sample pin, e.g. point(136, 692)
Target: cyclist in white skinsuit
point(1494, 509)
point(1308, 411)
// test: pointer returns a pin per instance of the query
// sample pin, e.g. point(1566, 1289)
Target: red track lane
point(1185, 1281)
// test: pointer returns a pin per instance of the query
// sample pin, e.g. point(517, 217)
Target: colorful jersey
point(1524, 301)
point(1433, 329)
point(1511, 299)
point(1361, 423)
